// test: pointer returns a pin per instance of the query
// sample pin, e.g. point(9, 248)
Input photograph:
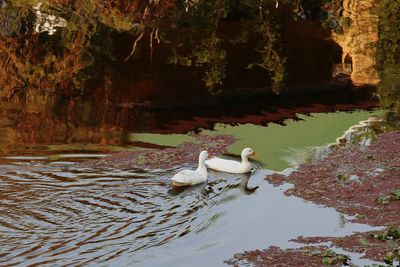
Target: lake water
point(55, 213)
point(80, 81)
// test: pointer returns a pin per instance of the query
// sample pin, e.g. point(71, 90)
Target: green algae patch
point(299, 134)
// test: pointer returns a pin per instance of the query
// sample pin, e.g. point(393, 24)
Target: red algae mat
point(274, 256)
point(376, 245)
point(358, 180)
point(166, 158)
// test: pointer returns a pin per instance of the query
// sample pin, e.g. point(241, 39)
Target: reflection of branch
point(153, 36)
point(19, 80)
point(7, 61)
point(214, 33)
point(157, 37)
point(269, 49)
point(134, 46)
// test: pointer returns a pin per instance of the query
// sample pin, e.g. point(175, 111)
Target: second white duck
point(232, 166)
point(190, 177)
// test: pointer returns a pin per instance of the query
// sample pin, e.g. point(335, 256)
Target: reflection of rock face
point(359, 40)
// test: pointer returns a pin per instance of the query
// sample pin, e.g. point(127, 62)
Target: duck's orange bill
point(254, 154)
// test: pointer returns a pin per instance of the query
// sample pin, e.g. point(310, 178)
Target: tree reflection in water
point(99, 71)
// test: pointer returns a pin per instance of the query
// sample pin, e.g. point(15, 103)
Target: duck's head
point(203, 155)
point(248, 152)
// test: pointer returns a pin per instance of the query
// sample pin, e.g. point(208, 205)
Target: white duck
point(232, 166)
point(190, 177)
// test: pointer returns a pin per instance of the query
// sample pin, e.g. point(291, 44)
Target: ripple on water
point(59, 213)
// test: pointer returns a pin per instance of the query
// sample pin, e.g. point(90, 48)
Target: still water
point(56, 213)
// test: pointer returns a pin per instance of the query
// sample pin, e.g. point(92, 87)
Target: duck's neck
point(245, 160)
point(202, 167)
point(246, 165)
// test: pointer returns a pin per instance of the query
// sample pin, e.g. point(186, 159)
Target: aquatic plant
point(391, 237)
point(275, 256)
point(381, 246)
point(391, 233)
point(329, 257)
point(386, 199)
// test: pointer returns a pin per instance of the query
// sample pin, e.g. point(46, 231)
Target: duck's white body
point(232, 166)
point(190, 177)
point(226, 165)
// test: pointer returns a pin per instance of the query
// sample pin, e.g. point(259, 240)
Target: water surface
point(57, 213)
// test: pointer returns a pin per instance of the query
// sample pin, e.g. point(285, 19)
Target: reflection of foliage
point(79, 52)
point(388, 54)
point(199, 24)
point(59, 62)
point(271, 60)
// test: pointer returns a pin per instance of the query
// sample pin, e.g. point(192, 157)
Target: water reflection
point(388, 56)
point(47, 122)
point(243, 179)
point(357, 27)
point(244, 185)
point(112, 70)
point(366, 131)
point(45, 22)
point(137, 48)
